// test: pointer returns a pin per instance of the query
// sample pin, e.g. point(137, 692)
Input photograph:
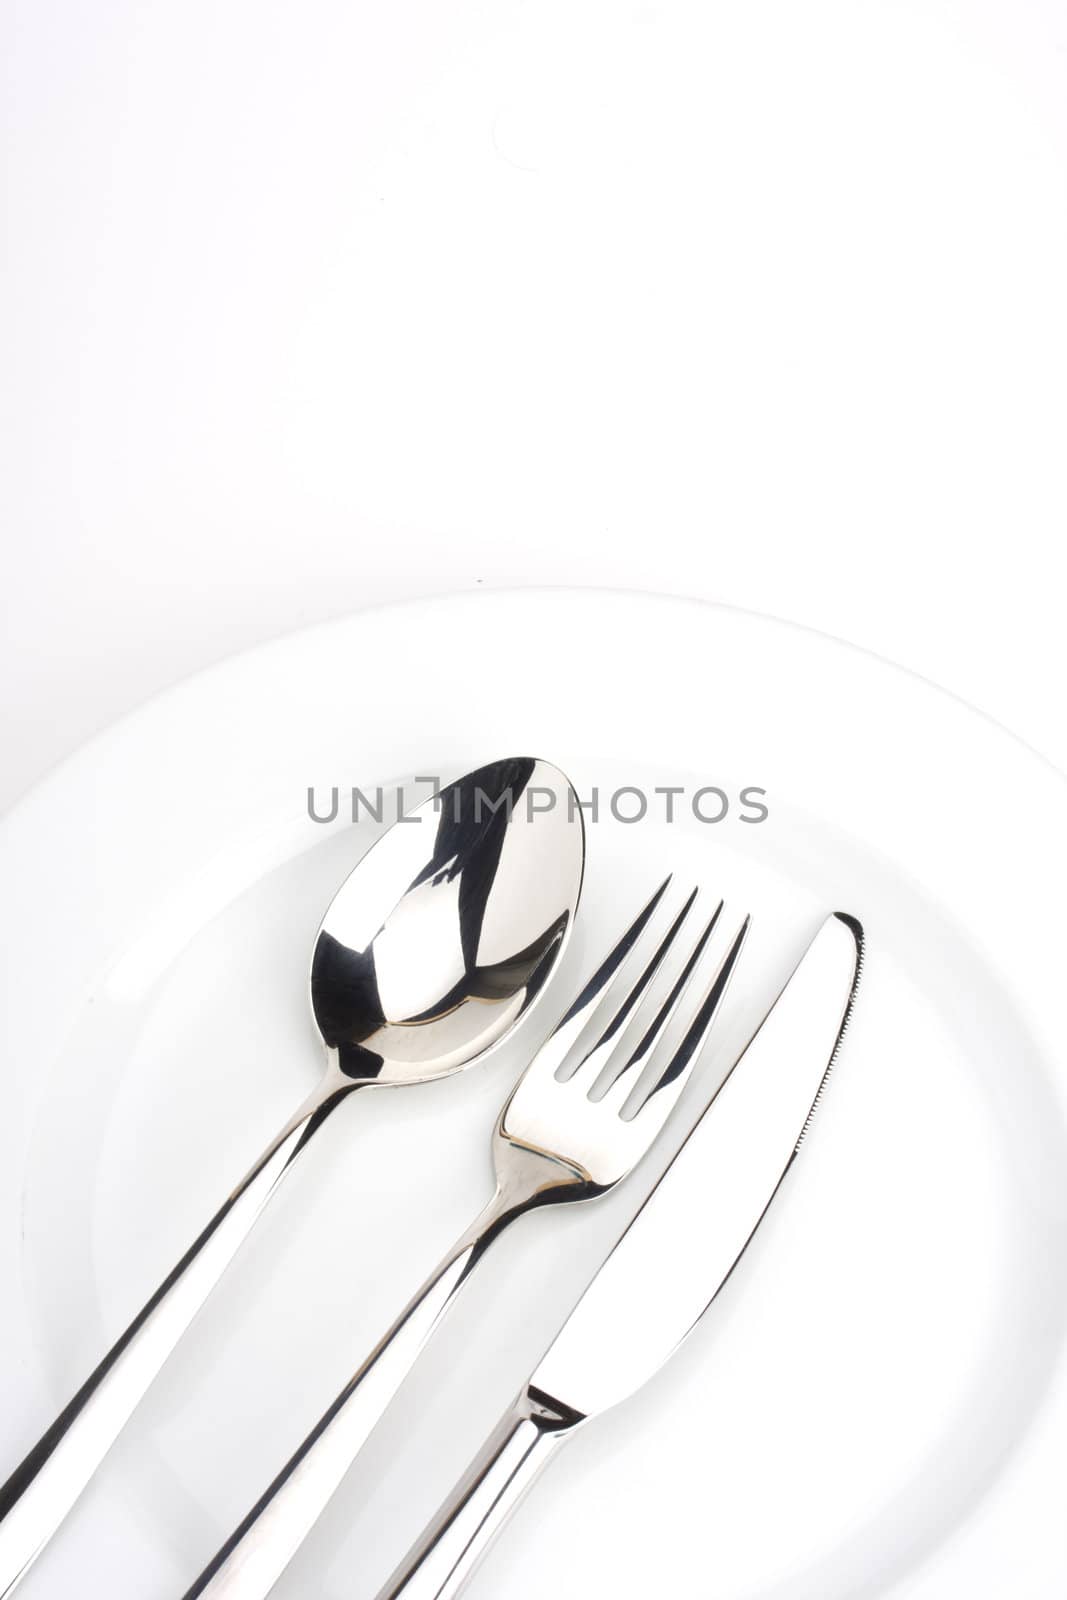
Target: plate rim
point(290, 637)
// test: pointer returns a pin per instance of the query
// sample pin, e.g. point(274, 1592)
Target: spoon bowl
point(444, 933)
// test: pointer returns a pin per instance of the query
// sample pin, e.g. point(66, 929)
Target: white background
point(309, 306)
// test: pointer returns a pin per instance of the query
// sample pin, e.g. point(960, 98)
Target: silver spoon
point(431, 950)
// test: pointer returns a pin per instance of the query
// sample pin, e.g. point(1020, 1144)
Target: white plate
point(878, 1404)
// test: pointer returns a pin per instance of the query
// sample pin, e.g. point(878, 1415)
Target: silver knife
point(667, 1267)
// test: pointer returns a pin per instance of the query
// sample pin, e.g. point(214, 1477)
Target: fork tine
point(571, 1025)
point(619, 1088)
point(671, 1081)
point(595, 1059)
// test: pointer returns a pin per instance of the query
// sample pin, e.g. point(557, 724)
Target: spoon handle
point(256, 1554)
point(40, 1492)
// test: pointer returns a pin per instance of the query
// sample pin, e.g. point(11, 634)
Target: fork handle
point(440, 1564)
point(257, 1552)
point(39, 1493)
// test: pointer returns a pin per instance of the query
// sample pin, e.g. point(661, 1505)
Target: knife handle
point(439, 1565)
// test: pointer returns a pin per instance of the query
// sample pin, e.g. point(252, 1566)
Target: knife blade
point(669, 1264)
point(683, 1244)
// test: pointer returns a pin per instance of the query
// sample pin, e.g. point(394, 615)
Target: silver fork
point(561, 1137)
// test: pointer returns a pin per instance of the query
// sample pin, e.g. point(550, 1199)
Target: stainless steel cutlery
point(432, 950)
point(562, 1136)
point(667, 1267)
